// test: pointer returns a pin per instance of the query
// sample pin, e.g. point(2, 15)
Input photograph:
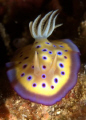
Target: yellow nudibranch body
point(45, 71)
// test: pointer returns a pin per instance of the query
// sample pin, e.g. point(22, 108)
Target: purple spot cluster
point(43, 76)
point(29, 78)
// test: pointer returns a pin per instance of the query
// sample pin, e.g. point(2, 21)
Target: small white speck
point(84, 69)
point(17, 102)
point(24, 115)
point(16, 22)
point(53, 109)
point(85, 66)
point(58, 112)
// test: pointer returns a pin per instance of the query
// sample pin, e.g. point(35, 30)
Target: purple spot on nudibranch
point(61, 65)
point(32, 66)
point(52, 86)
point(43, 85)
point(26, 58)
point(24, 66)
point(44, 67)
point(36, 42)
point(44, 57)
point(66, 50)
point(65, 57)
point(29, 77)
point(22, 74)
point(47, 43)
point(21, 55)
point(55, 80)
point(50, 52)
point(43, 76)
point(44, 50)
point(38, 46)
point(34, 84)
point(21, 52)
point(61, 46)
point(54, 46)
point(19, 62)
point(59, 53)
point(63, 73)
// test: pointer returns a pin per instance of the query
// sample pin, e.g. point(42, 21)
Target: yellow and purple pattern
point(45, 71)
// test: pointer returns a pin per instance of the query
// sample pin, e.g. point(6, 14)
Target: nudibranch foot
point(46, 71)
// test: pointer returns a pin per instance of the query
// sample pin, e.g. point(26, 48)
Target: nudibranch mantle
point(46, 71)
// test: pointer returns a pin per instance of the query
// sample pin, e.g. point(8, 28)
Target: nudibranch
point(46, 71)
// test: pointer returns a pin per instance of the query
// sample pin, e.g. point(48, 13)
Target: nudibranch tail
point(41, 31)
